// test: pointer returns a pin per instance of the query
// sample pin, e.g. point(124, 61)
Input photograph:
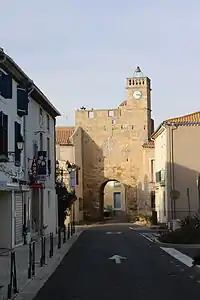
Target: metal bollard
point(59, 238)
point(52, 242)
point(44, 250)
point(51, 245)
point(30, 261)
point(74, 227)
point(68, 231)
point(42, 253)
point(33, 258)
point(64, 235)
point(12, 286)
point(71, 228)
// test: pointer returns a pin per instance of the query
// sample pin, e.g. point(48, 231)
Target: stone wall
point(112, 147)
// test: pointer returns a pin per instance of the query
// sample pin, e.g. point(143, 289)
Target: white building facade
point(21, 105)
point(161, 196)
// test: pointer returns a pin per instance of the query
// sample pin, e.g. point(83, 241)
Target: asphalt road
point(86, 273)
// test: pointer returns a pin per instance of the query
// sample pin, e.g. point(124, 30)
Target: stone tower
point(112, 146)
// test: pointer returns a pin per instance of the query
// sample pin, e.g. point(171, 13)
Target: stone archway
point(112, 199)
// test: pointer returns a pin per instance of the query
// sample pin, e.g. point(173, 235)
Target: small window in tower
point(133, 82)
point(111, 113)
point(143, 81)
point(113, 122)
point(130, 82)
point(136, 83)
point(90, 114)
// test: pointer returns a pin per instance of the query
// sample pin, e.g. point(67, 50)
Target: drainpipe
point(26, 226)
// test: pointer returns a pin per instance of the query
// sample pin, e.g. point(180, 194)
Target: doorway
point(117, 205)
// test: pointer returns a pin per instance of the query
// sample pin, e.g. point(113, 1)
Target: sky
point(80, 52)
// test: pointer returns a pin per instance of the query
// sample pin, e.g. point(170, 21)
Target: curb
point(196, 246)
point(33, 285)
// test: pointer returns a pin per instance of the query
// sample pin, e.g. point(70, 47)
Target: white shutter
point(18, 218)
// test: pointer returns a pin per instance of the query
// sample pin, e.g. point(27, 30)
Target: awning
point(5, 186)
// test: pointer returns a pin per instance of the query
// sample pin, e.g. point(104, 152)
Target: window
point(35, 149)
point(48, 156)
point(5, 85)
point(111, 113)
point(3, 134)
point(48, 148)
point(153, 203)
point(49, 198)
point(152, 176)
point(41, 141)
point(41, 117)
point(90, 114)
point(114, 122)
point(22, 101)
point(17, 151)
point(48, 122)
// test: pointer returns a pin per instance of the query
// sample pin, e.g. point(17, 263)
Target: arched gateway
point(115, 146)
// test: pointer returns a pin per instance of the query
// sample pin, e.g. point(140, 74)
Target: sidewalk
point(22, 261)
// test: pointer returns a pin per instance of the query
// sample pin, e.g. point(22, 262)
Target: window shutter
point(1, 133)
point(6, 85)
point(5, 134)
point(72, 179)
point(22, 101)
point(17, 151)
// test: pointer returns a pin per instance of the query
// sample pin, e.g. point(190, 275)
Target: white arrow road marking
point(115, 232)
point(117, 258)
point(131, 228)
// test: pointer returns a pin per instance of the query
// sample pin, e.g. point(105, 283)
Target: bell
point(138, 70)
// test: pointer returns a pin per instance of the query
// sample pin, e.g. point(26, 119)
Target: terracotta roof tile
point(63, 134)
point(149, 144)
point(190, 118)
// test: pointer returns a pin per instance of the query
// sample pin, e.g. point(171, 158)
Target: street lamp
point(70, 168)
point(20, 143)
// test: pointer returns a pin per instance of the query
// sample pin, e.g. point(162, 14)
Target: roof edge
point(25, 77)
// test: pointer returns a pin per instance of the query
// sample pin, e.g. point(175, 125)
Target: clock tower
point(138, 100)
point(138, 88)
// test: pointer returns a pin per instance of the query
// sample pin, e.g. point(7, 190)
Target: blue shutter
point(6, 86)
point(1, 133)
point(72, 179)
point(22, 102)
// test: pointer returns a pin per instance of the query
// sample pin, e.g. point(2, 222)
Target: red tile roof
point(63, 134)
point(190, 118)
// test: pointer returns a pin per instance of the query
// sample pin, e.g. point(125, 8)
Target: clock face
point(137, 95)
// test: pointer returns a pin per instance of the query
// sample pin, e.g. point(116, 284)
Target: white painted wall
point(33, 129)
point(160, 164)
point(9, 107)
